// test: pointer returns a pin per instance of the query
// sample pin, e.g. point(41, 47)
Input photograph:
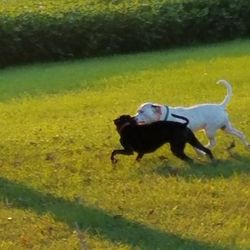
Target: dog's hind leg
point(196, 144)
point(211, 143)
point(231, 130)
point(178, 151)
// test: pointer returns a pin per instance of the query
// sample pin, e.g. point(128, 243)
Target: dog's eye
point(140, 112)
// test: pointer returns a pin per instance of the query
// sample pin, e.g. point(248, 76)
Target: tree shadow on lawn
point(95, 221)
point(221, 169)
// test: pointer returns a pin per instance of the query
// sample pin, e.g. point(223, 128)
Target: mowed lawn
point(58, 189)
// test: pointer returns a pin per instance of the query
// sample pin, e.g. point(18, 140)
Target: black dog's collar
point(122, 127)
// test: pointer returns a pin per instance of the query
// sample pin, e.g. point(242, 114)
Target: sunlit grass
point(55, 149)
point(61, 77)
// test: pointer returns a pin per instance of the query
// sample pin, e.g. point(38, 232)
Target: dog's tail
point(181, 117)
point(229, 92)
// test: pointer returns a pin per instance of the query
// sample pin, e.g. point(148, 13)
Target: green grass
point(60, 77)
point(15, 7)
point(57, 135)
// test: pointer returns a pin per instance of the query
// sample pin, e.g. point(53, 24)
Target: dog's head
point(149, 112)
point(123, 121)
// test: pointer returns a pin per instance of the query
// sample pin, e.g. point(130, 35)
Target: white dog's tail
point(229, 92)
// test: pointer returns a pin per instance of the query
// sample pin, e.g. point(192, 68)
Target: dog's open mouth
point(136, 120)
point(141, 123)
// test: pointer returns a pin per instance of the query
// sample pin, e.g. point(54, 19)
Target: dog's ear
point(156, 108)
point(122, 118)
point(116, 120)
point(126, 117)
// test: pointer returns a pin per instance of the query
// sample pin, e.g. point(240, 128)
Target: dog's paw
point(200, 153)
point(231, 146)
point(173, 171)
point(114, 161)
point(247, 145)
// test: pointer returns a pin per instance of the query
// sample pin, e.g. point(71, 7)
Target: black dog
point(147, 138)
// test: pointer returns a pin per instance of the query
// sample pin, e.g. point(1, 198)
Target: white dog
point(208, 117)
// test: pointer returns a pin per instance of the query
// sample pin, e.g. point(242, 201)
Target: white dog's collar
point(167, 113)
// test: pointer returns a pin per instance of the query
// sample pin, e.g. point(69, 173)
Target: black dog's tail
point(181, 117)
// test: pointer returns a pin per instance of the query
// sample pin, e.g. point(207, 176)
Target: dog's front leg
point(120, 151)
point(139, 156)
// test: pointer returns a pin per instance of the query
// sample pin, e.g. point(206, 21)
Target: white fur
point(208, 117)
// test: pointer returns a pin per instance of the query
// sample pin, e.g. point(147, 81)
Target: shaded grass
point(95, 221)
point(234, 166)
point(55, 166)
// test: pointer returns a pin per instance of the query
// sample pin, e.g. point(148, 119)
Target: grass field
point(58, 189)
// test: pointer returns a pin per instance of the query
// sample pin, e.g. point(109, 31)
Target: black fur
point(147, 138)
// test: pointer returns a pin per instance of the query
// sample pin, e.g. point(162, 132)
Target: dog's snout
point(138, 119)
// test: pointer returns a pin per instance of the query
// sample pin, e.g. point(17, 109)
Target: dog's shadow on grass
point(95, 221)
point(219, 169)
